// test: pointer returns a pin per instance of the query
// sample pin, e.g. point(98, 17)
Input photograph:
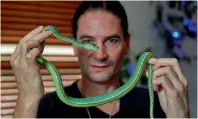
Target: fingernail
point(49, 32)
point(40, 27)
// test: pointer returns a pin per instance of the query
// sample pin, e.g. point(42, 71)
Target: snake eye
point(95, 45)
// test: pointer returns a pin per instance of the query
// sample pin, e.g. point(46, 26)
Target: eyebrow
point(91, 37)
point(86, 36)
point(113, 36)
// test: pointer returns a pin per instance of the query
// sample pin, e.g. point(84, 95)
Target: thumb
point(42, 46)
point(147, 73)
point(155, 88)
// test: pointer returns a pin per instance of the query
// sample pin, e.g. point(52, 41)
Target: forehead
point(99, 23)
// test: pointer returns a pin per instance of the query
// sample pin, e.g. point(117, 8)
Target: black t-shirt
point(135, 104)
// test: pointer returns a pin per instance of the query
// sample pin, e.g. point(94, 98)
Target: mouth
point(99, 66)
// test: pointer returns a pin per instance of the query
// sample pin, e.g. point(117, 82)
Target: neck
point(89, 88)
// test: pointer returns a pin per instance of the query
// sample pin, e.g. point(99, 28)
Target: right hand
point(25, 66)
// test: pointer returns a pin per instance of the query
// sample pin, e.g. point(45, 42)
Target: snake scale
point(104, 98)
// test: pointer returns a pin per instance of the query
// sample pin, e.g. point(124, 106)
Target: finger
point(42, 36)
point(15, 53)
point(173, 63)
point(33, 54)
point(26, 47)
point(41, 39)
point(34, 43)
point(15, 64)
point(155, 88)
point(13, 56)
point(153, 61)
point(33, 33)
point(29, 35)
point(146, 73)
point(166, 85)
point(171, 75)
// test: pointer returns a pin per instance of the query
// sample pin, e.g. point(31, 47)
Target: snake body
point(104, 98)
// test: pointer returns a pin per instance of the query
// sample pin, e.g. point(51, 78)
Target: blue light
point(186, 21)
point(175, 34)
point(130, 69)
point(183, 3)
point(178, 41)
point(192, 28)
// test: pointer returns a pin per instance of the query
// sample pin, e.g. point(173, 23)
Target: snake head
point(50, 27)
point(91, 46)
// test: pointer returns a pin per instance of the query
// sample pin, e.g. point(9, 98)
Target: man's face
point(103, 29)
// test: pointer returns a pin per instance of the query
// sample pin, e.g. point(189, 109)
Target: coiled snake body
point(101, 99)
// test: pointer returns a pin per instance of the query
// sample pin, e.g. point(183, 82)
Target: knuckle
point(24, 44)
point(154, 81)
point(15, 63)
point(36, 42)
point(12, 64)
point(32, 55)
point(11, 60)
point(38, 51)
point(21, 41)
point(23, 65)
point(29, 56)
point(154, 74)
point(33, 43)
point(175, 60)
point(180, 88)
point(35, 39)
point(185, 82)
point(163, 78)
point(174, 93)
point(168, 69)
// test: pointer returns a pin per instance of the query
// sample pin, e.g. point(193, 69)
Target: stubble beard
point(100, 76)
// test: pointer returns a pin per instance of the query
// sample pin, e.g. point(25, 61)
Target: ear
point(127, 43)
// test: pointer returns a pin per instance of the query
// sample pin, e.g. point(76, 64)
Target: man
point(104, 24)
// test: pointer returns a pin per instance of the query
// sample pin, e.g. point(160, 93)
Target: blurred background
point(168, 29)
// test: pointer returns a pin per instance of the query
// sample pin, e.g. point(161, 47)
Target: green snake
point(104, 98)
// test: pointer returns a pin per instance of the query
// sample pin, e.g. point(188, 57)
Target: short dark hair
point(114, 7)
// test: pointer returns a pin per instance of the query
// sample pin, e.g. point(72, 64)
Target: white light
point(48, 50)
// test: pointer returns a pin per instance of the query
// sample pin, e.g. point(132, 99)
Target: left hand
point(171, 85)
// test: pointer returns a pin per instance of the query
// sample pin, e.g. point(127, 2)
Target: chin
point(100, 78)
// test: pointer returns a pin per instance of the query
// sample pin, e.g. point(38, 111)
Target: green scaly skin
point(104, 98)
point(58, 35)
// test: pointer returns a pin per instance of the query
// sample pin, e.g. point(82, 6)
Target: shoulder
point(50, 103)
point(140, 100)
point(53, 97)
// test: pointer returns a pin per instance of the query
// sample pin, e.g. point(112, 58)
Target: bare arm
point(26, 108)
point(27, 73)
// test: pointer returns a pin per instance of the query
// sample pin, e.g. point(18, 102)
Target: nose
point(101, 53)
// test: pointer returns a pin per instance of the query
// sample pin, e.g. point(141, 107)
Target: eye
point(113, 40)
point(86, 41)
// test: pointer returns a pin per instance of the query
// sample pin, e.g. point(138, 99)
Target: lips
point(99, 66)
